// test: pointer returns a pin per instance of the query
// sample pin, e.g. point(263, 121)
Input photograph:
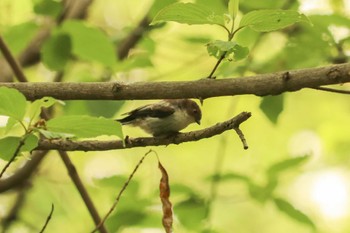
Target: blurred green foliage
point(268, 188)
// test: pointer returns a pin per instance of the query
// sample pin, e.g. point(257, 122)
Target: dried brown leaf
point(164, 194)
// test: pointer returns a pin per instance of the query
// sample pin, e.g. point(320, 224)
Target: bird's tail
point(126, 120)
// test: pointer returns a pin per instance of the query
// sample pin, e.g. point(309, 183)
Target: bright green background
point(312, 123)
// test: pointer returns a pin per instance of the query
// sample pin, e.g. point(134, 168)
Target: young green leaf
point(292, 212)
point(35, 107)
point(270, 20)
point(240, 52)
point(56, 51)
point(218, 48)
point(84, 126)
point(12, 104)
point(233, 8)
point(188, 13)
point(90, 43)
point(9, 145)
point(272, 106)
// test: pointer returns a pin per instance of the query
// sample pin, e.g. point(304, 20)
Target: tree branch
point(23, 173)
point(48, 218)
point(133, 38)
point(95, 145)
point(31, 54)
point(261, 85)
point(73, 174)
point(64, 156)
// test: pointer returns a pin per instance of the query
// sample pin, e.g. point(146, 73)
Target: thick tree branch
point(261, 85)
point(94, 145)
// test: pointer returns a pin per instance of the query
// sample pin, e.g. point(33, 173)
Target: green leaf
point(286, 164)
point(35, 107)
point(54, 135)
point(12, 104)
point(218, 48)
point(292, 212)
point(106, 108)
point(191, 212)
point(11, 122)
point(9, 145)
point(240, 52)
point(230, 177)
point(48, 7)
point(260, 193)
point(56, 51)
point(30, 143)
point(233, 8)
point(85, 126)
point(125, 218)
point(270, 20)
point(188, 13)
point(90, 43)
point(18, 36)
point(272, 106)
point(158, 5)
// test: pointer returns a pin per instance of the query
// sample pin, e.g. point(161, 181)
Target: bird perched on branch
point(164, 118)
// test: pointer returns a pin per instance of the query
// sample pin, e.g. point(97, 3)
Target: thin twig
point(48, 218)
point(96, 145)
point(332, 90)
point(121, 192)
point(21, 143)
point(24, 173)
point(12, 61)
point(210, 76)
point(73, 174)
point(241, 136)
point(13, 213)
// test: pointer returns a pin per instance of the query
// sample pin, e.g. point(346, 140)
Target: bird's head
point(193, 110)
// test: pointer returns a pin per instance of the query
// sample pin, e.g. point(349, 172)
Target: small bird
point(164, 118)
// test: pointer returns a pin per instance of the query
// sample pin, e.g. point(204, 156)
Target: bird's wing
point(151, 110)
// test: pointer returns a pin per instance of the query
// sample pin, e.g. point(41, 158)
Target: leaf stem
point(231, 34)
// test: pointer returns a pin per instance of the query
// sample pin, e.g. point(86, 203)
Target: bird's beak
point(198, 122)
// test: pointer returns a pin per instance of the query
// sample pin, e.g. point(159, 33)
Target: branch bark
point(261, 85)
point(95, 145)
